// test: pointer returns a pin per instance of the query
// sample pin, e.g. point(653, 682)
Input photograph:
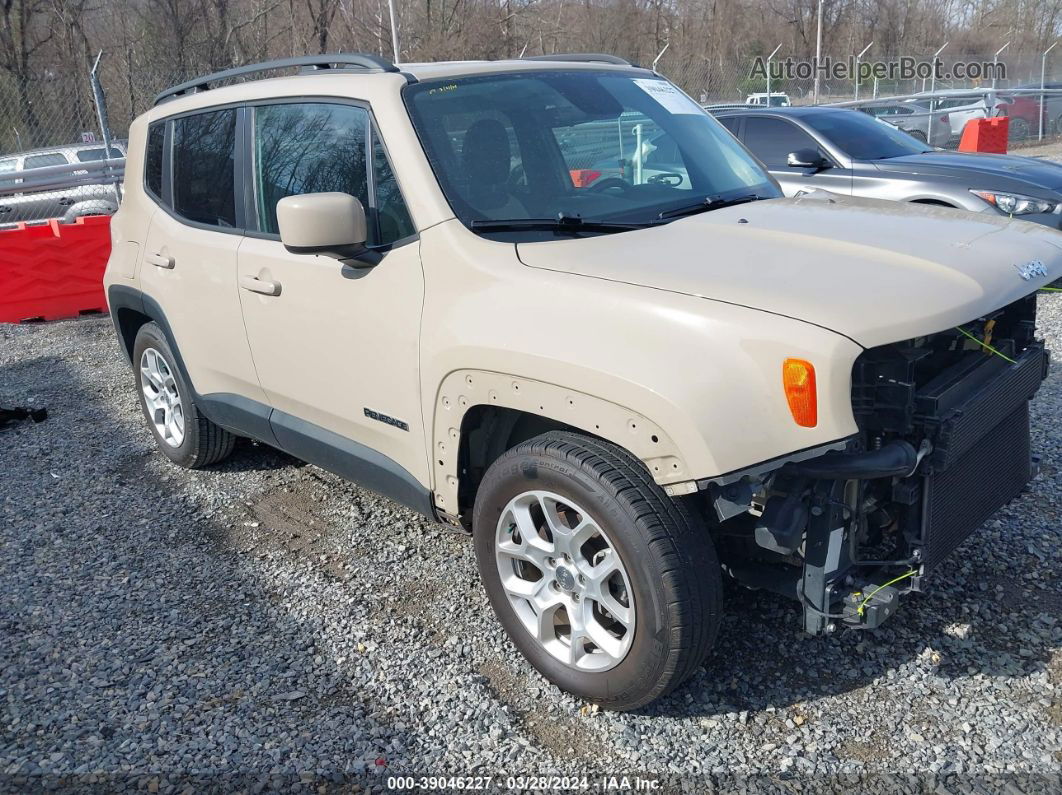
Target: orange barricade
point(53, 270)
point(985, 135)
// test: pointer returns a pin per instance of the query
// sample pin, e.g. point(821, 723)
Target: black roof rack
point(371, 63)
point(589, 57)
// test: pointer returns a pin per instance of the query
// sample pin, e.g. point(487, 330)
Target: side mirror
point(322, 223)
point(807, 158)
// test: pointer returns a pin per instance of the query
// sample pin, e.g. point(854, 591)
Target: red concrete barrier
point(53, 270)
point(985, 135)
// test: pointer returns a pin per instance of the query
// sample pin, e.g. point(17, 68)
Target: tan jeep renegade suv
point(554, 303)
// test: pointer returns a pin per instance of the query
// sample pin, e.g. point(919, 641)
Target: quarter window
point(153, 158)
point(203, 155)
point(391, 213)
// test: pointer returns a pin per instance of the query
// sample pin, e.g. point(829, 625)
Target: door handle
point(160, 260)
point(256, 285)
point(65, 201)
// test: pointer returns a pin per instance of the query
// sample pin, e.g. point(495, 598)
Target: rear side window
point(7, 167)
point(42, 161)
point(771, 140)
point(153, 158)
point(731, 123)
point(204, 147)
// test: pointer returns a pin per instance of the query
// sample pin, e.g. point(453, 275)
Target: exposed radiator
point(975, 485)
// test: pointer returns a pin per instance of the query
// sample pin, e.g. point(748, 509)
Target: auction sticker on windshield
point(667, 95)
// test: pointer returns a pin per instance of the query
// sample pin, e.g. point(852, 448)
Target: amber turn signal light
point(798, 380)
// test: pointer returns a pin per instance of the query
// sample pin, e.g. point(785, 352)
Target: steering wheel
point(608, 183)
point(669, 178)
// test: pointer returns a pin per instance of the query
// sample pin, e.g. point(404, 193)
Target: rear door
point(189, 263)
point(772, 139)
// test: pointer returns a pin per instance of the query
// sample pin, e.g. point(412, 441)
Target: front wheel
point(610, 589)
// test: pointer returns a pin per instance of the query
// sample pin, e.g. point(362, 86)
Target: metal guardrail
point(64, 176)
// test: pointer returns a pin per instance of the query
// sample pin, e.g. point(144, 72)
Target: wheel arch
point(479, 415)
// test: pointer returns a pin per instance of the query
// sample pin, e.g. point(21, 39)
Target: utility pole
point(659, 55)
point(394, 29)
point(858, 58)
point(932, 98)
point(995, 65)
point(818, 53)
point(769, 59)
point(1043, 77)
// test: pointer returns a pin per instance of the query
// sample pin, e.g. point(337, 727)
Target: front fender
point(622, 362)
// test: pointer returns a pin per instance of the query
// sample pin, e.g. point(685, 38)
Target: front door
point(337, 348)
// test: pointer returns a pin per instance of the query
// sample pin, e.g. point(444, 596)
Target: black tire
point(1018, 130)
point(918, 135)
point(674, 573)
point(204, 442)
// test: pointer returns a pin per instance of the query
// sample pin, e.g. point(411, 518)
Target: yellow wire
point(985, 345)
point(863, 604)
point(1051, 289)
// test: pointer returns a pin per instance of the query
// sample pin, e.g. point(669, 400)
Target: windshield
point(863, 137)
point(603, 147)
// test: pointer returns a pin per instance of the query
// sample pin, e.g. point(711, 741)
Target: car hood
point(874, 271)
point(969, 165)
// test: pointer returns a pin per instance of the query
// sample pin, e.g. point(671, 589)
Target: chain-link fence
point(51, 119)
point(910, 92)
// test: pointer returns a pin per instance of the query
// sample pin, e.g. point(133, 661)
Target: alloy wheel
point(565, 581)
point(161, 396)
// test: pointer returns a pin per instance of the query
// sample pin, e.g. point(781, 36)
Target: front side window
point(204, 147)
point(308, 148)
point(864, 138)
point(153, 158)
point(771, 140)
point(623, 148)
point(319, 147)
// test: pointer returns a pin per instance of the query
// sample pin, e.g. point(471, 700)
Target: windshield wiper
point(709, 203)
point(562, 223)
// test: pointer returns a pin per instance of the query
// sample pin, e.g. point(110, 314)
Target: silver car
point(914, 119)
point(850, 153)
point(20, 201)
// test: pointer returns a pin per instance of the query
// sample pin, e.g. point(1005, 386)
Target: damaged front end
point(943, 443)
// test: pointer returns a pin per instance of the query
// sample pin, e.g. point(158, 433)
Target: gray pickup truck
point(41, 184)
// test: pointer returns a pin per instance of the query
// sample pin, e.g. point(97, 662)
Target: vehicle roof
point(792, 110)
point(366, 84)
point(440, 69)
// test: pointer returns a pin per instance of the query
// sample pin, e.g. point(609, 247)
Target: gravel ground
point(265, 622)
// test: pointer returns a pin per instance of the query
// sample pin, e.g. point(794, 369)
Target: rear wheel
point(1018, 129)
point(184, 435)
point(610, 589)
point(921, 136)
